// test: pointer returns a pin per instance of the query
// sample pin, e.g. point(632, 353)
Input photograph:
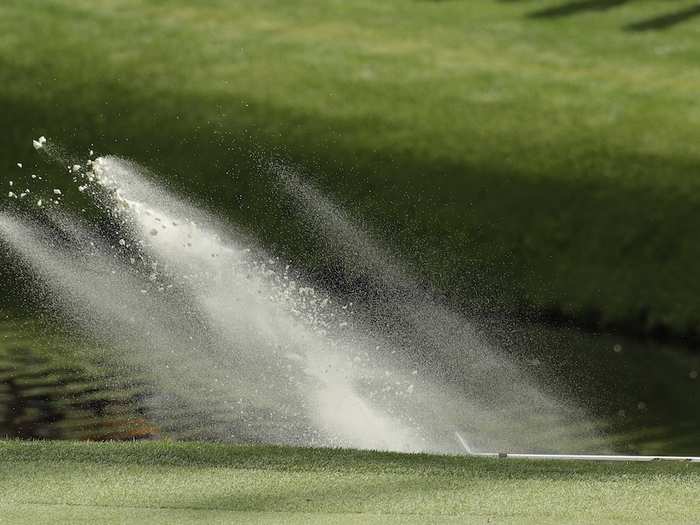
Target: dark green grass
point(167, 482)
point(517, 162)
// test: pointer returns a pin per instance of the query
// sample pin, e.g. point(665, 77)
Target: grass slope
point(545, 161)
point(45, 482)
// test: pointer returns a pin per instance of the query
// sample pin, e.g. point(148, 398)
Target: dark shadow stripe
point(665, 21)
point(573, 8)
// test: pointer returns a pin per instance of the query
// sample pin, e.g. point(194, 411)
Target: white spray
point(237, 348)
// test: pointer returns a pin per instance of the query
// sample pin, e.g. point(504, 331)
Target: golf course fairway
point(165, 482)
point(522, 156)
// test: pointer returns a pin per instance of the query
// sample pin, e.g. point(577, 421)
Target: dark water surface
point(645, 396)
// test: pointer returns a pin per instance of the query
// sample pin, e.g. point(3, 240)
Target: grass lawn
point(157, 482)
point(518, 157)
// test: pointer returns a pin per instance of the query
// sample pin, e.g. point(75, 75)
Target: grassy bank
point(186, 482)
point(517, 160)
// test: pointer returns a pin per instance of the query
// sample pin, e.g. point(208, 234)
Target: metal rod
point(572, 457)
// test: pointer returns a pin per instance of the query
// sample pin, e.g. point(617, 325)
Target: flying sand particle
point(39, 143)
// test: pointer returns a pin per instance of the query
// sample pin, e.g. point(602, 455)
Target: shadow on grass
point(437, 211)
point(667, 21)
point(342, 493)
point(579, 6)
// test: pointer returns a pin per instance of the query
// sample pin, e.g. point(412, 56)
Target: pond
point(644, 394)
point(643, 397)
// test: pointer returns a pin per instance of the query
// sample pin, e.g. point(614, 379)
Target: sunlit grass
point(514, 161)
point(182, 482)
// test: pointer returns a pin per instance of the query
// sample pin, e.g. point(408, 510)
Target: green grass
point(175, 483)
point(516, 162)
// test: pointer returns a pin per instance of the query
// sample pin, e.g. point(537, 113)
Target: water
point(239, 346)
